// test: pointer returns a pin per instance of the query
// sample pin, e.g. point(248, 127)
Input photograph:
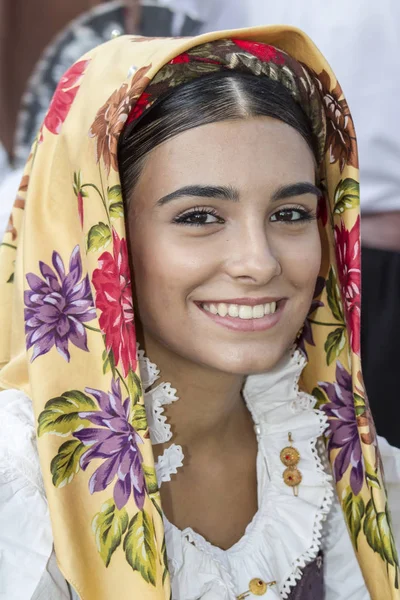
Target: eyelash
point(306, 216)
point(198, 210)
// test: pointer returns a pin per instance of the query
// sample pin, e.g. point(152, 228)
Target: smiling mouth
point(244, 315)
point(240, 311)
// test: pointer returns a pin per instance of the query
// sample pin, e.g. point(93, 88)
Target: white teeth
point(245, 312)
point(241, 311)
point(213, 309)
point(222, 309)
point(258, 311)
point(233, 310)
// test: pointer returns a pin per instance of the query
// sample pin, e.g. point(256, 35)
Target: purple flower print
point(116, 442)
point(343, 432)
point(57, 306)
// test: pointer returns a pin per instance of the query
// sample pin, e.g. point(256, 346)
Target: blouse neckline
point(286, 528)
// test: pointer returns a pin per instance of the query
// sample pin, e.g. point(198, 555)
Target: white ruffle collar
point(285, 534)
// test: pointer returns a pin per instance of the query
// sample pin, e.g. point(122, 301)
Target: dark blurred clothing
point(26, 28)
point(380, 328)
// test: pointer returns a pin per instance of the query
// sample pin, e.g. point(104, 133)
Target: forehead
point(248, 152)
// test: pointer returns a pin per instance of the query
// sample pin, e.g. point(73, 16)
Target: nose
point(251, 258)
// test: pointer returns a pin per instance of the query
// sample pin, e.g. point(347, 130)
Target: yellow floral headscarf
point(66, 310)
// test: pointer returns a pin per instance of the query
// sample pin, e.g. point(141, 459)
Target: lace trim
point(305, 402)
point(312, 552)
point(160, 431)
point(148, 370)
point(168, 463)
point(172, 458)
point(154, 402)
point(215, 553)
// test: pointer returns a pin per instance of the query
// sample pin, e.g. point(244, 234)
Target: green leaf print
point(320, 397)
point(98, 238)
point(138, 418)
point(115, 203)
point(165, 560)
point(156, 500)
point(108, 362)
point(114, 193)
point(359, 404)
point(65, 465)
point(347, 195)
point(109, 525)
point(151, 479)
point(134, 386)
point(140, 546)
point(61, 414)
point(388, 543)
point(333, 294)
point(77, 185)
point(354, 510)
point(370, 475)
point(371, 530)
point(334, 344)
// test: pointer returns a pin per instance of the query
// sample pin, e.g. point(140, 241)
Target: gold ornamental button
point(292, 476)
point(258, 587)
point(290, 456)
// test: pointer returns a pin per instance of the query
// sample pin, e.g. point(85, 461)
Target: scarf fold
point(66, 309)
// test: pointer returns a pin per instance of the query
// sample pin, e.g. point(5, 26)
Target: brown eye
point(292, 215)
point(198, 217)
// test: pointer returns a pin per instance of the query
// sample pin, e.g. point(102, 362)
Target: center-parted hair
point(223, 96)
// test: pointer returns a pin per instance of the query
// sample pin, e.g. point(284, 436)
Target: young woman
point(205, 186)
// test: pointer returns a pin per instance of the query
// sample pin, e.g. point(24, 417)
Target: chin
point(250, 362)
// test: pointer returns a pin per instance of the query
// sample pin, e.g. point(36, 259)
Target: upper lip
point(246, 301)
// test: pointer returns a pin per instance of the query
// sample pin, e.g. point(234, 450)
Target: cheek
point(165, 271)
point(301, 260)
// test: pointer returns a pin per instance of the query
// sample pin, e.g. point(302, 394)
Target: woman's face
point(225, 244)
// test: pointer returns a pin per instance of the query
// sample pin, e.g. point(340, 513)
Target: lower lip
point(237, 324)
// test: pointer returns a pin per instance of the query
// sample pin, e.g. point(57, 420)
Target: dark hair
point(222, 96)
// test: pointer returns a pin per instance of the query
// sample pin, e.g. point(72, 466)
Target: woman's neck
point(210, 406)
point(215, 492)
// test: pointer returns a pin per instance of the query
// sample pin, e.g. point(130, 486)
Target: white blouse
point(286, 533)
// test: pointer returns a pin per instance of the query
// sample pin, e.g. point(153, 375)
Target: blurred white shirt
point(361, 41)
point(9, 185)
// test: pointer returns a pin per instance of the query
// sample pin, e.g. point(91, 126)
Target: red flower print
point(64, 96)
point(182, 58)
point(80, 194)
point(112, 283)
point(140, 106)
point(264, 52)
point(80, 207)
point(349, 262)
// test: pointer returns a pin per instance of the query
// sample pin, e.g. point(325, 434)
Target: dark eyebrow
point(201, 191)
point(295, 189)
